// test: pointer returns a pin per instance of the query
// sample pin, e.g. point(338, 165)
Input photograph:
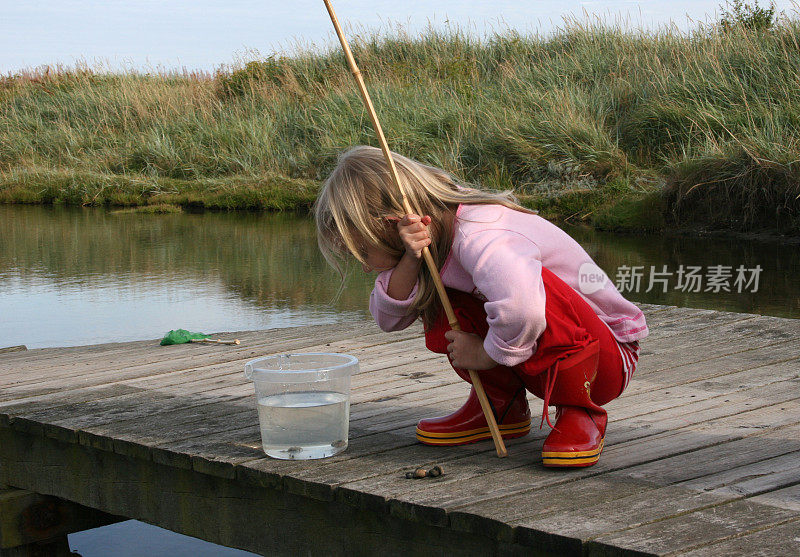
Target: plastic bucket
point(303, 403)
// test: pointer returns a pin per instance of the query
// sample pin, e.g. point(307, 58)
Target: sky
point(147, 35)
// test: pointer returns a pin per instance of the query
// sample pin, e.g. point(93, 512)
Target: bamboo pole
point(426, 254)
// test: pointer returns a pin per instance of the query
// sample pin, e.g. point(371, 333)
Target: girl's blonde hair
point(355, 200)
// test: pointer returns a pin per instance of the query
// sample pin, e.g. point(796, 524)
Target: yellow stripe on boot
point(572, 458)
point(508, 431)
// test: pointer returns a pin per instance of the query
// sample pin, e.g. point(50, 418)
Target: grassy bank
point(623, 129)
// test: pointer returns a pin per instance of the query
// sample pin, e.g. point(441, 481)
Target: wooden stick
point(426, 254)
point(215, 340)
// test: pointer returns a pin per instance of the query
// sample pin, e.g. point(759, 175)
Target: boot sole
point(453, 438)
point(572, 459)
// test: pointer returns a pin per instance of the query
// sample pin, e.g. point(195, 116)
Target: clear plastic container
point(303, 403)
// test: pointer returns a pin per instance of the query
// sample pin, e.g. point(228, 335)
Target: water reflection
point(75, 276)
point(779, 279)
point(72, 276)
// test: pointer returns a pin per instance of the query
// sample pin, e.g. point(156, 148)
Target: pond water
point(83, 276)
point(71, 276)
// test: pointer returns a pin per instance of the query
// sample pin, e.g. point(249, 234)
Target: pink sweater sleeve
point(390, 314)
point(506, 268)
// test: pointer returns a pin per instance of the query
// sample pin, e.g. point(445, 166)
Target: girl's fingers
point(411, 228)
point(416, 239)
point(411, 219)
point(414, 233)
point(417, 236)
point(416, 228)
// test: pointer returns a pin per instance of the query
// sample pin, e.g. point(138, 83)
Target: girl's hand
point(466, 351)
point(414, 234)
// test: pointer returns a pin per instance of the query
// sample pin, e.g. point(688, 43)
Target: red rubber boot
point(508, 398)
point(579, 432)
point(504, 389)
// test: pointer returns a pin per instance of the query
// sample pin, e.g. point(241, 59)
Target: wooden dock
point(702, 453)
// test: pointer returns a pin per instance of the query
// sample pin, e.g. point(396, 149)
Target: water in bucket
point(303, 403)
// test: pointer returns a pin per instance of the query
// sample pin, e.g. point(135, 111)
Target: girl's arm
point(404, 277)
point(506, 268)
point(413, 231)
point(391, 314)
point(395, 289)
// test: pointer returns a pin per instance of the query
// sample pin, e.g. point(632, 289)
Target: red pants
point(571, 325)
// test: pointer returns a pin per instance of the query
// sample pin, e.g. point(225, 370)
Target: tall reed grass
point(704, 125)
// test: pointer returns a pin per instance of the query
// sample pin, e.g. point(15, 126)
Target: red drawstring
point(550, 384)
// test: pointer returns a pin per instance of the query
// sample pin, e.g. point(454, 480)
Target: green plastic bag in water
point(181, 336)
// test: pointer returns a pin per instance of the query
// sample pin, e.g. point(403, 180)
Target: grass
point(71, 187)
point(624, 129)
point(156, 209)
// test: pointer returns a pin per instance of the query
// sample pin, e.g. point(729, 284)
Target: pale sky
point(204, 34)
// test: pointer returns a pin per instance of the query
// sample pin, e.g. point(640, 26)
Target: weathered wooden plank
point(693, 322)
point(125, 404)
point(10, 349)
point(776, 541)
point(128, 353)
point(731, 388)
point(233, 414)
point(138, 427)
point(472, 481)
point(414, 420)
point(40, 358)
point(187, 377)
point(709, 369)
point(686, 531)
point(42, 354)
point(195, 352)
point(186, 381)
point(643, 478)
point(663, 353)
point(166, 371)
point(499, 516)
point(182, 356)
point(221, 447)
point(672, 314)
point(713, 387)
point(157, 359)
point(753, 478)
point(721, 457)
point(713, 425)
point(788, 497)
point(133, 442)
point(649, 507)
point(745, 326)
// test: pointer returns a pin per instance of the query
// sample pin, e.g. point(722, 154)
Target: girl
point(536, 313)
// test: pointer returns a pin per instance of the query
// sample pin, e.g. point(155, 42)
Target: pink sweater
point(497, 255)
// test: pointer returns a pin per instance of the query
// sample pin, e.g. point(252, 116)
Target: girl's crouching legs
point(504, 389)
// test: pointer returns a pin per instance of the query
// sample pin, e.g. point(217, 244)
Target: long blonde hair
point(355, 200)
